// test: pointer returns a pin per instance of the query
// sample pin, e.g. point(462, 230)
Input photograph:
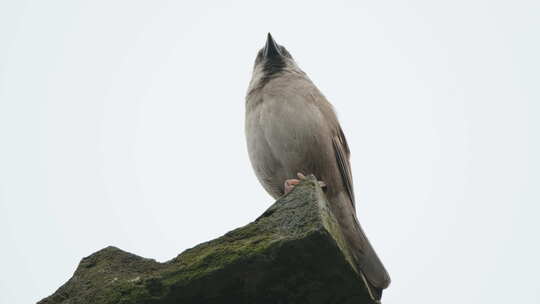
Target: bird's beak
point(271, 49)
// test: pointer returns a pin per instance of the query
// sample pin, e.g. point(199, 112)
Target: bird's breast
point(286, 134)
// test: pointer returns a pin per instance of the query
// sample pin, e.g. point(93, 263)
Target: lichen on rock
point(293, 253)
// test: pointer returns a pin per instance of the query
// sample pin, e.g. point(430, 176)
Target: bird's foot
point(290, 183)
point(302, 177)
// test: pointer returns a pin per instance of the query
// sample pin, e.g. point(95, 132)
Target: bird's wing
point(341, 149)
point(371, 265)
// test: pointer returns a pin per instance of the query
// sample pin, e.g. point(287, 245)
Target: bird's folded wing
point(341, 149)
point(370, 263)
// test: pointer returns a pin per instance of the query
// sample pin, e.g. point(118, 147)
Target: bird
point(291, 129)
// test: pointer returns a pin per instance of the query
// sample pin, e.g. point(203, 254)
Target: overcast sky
point(121, 123)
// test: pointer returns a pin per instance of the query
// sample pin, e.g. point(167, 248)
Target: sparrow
point(292, 130)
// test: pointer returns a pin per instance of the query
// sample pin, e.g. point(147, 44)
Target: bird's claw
point(303, 177)
point(290, 183)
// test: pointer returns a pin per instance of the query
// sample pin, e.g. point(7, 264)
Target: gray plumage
point(290, 128)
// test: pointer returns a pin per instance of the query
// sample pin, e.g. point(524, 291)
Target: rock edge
point(293, 253)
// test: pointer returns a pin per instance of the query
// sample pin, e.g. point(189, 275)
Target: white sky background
point(121, 123)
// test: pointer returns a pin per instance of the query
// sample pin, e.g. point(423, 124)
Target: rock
point(293, 253)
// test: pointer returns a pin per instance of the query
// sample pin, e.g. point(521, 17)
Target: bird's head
point(271, 61)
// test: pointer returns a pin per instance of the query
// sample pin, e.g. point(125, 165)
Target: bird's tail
point(369, 266)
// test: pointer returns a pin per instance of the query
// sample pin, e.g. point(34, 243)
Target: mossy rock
point(293, 253)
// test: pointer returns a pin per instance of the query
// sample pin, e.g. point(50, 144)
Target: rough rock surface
point(293, 253)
